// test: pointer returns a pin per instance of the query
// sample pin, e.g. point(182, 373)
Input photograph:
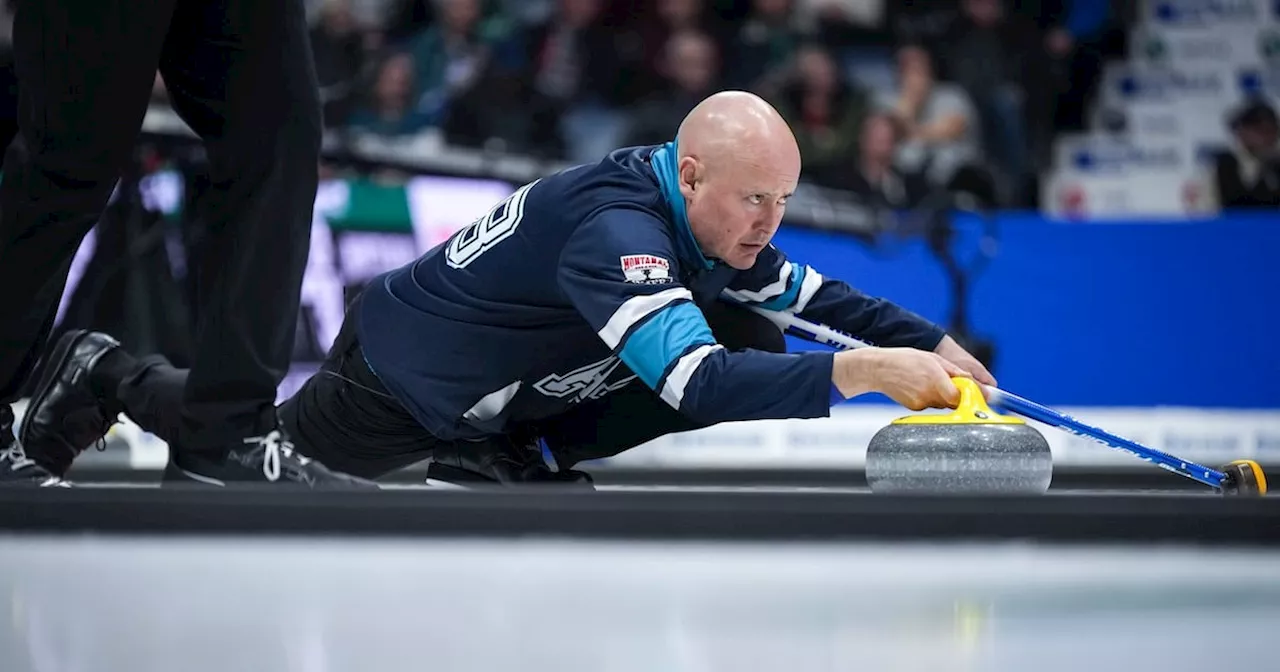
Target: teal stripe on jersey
point(787, 298)
point(663, 338)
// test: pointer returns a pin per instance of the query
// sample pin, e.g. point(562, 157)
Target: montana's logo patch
point(646, 269)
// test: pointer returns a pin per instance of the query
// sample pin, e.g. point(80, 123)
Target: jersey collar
point(663, 160)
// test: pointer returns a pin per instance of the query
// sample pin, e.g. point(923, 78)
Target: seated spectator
point(876, 177)
point(1000, 62)
point(825, 112)
point(577, 72)
point(691, 67)
point(390, 110)
point(941, 130)
point(668, 18)
point(1248, 174)
point(761, 50)
point(338, 50)
point(450, 56)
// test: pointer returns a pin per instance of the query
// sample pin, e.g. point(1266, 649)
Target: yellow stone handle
point(972, 409)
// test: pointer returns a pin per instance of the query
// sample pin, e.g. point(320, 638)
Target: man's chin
point(744, 256)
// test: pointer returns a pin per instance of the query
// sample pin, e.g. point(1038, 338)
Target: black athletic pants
point(345, 418)
point(240, 73)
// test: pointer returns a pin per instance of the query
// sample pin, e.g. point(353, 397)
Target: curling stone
point(1244, 479)
point(970, 450)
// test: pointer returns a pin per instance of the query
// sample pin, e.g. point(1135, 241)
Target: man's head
point(395, 80)
point(879, 139)
point(579, 13)
point(336, 18)
point(691, 61)
point(771, 10)
point(817, 68)
point(680, 14)
point(459, 16)
point(915, 67)
point(984, 13)
point(738, 163)
point(1257, 128)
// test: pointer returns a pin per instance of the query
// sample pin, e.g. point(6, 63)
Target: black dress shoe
point(16, 469)
point(65, 417)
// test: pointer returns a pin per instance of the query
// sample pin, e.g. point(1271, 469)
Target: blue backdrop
point(1119, 313)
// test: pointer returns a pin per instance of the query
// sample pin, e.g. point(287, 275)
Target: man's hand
point(952, 352)
point(914, 378)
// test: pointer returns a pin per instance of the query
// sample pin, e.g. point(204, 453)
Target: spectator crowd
point(888, 98)
point(963, 94)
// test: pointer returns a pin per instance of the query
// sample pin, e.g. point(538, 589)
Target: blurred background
point(1085, 192)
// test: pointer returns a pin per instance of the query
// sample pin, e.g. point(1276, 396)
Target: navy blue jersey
point(589, 280)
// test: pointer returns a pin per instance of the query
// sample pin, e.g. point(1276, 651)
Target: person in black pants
point(344, 417)
point(239, 72)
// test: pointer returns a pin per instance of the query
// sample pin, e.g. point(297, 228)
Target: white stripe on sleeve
point(673, 388)
point(637, 308)
point(769, 291)
point(810, 286)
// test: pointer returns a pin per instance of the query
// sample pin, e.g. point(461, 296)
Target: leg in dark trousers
point(342, 416)
point(635, 415)
point(85, 70)
point(240, 73)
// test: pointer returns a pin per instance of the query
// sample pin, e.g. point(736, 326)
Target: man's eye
point(755, 199)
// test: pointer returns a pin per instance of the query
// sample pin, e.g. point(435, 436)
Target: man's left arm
point(778, 284)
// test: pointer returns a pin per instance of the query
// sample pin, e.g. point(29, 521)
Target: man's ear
point(688, 175)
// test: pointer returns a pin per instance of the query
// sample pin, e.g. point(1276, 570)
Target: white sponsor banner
point(1261, 81)
point(1196, 131)
point(1159, 195)
point(1112, 156)
point(1157, 47)
point(1104, 175)
point(1209, 87)
point(1209, 15)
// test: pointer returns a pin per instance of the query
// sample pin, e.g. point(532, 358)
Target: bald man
point(584, 312)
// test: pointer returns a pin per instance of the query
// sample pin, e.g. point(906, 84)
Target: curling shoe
point(498, 461)
point(270, 459)
point(16, 469)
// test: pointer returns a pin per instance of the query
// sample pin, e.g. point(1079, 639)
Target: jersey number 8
point(468, 244)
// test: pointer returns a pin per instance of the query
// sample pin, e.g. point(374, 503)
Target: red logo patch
point(646, 269)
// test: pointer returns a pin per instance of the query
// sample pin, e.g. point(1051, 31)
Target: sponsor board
point(1208, 15)
point(1145, 125)
point(1211, 85)
point(1157, 47)
point(1112, 156)
point(1258, 82)
point(1082, 197)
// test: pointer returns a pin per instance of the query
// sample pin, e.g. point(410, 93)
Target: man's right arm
point(651, 323)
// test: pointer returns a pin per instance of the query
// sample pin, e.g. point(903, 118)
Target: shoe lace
point(17, 457)
point(275, 445)
point(103, 424)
